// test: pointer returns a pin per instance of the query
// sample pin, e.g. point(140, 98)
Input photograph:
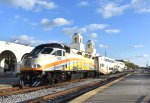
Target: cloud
point(17, 17)
point(141, 59)
point(45, 21)
point(71, 31)
point(92, 35)
point(83, 3)
point(145, 55)
point(84, 29)
point(109, 9)
point(33, 24)
point(93, 27)
point(20, 19)
point(30, 40)
point(138, 46)
point(140, 56)
point(30, 4)
point(142, 6)
point(103, 46)
point(112, 9)
point(24, 39)
point(112, 31)
point(47, 5)
point(47, 24)
point(60, 22)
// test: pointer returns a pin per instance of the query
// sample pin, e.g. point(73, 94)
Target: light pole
point(147, 64)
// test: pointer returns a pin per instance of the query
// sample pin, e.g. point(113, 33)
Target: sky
point(119, 27)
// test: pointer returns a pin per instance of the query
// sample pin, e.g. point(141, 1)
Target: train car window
point(110, 68)
point(80, 53)
point(46, 51)
point(90, 56)
point(101, 65)
point(86, 55)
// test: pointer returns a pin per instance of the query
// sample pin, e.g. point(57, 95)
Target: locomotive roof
point(55, 45)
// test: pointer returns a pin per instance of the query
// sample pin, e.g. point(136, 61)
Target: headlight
point(36, 66)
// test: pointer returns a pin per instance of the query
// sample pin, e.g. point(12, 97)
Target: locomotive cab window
point(46, 51)
point(36, 51)
point(63, 53)
point(58, 53)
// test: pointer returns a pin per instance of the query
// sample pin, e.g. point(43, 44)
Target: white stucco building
point(90, 48)
point(77, 42)
point(10, 56)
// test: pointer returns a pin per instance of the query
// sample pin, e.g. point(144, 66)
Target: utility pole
point(147, 64)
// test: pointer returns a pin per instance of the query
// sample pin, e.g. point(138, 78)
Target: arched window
point(89, 45)
point(75, 40)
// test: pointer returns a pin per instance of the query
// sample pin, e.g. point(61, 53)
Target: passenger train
point(120, 66)
point(105, 65)
point(54, 62)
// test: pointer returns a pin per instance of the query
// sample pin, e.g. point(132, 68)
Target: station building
point(11, 53)
point(10, 56)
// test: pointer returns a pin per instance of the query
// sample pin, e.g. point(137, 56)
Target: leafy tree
point(131, 65)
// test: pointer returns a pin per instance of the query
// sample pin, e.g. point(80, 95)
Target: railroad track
point(10, 89)
point(68, 94)
point(58, 92)
point(17, 90)
point(63, 93)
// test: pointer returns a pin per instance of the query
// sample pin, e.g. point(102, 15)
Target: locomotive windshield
point(41, 50)
point(36, 51)
point(46, 51)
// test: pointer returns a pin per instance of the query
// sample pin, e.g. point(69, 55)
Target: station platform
point(7, 80)
point(131, 89)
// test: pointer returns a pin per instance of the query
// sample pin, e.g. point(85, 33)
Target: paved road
point(133, 89)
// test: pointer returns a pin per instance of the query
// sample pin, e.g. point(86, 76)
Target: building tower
point(90, 48)
point(77, 42)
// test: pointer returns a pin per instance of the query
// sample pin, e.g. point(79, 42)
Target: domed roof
point(90, 41)
point(76, 34)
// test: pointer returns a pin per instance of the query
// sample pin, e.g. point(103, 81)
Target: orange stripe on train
point(53, 64)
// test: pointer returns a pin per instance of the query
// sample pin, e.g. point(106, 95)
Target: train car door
point(61, 58)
